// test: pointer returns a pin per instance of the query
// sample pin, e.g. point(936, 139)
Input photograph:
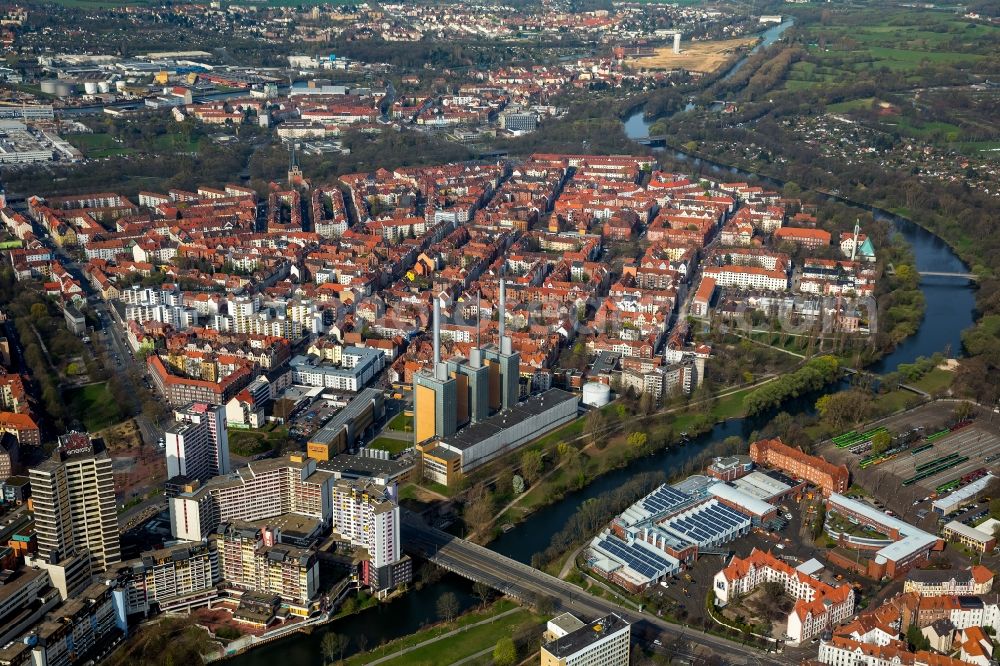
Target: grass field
point(896, 40)
point(694, 56)
point(928, 130)
point(851, 105)
point(95, 146)
point(401, 423)
point(934, 381)
point(391, 445)
point(177, 143)
point(94, 406)
point(252, 442)
point(454, 648)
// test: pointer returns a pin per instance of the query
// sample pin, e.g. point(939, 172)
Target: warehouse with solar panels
point(666, 530)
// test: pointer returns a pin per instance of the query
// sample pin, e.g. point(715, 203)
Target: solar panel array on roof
point(644, 561)
point(708, 524)
point(663, 499)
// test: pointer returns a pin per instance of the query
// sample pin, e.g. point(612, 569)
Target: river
point(950, 310)
point(768, 37)
point(950, 301)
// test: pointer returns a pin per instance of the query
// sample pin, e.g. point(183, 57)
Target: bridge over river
point(518, 580)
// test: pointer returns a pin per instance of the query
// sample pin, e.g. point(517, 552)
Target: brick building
point(814, 469)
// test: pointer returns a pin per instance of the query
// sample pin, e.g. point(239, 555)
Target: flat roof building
point(481, 442)
point(603, 642)
point(363, 466)
point(909, 545)
point(348, 427)
point(964, 495)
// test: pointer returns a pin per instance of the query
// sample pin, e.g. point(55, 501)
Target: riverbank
point(610, 449)
point(446, 643)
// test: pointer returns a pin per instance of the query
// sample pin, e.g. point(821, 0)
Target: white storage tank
point(103, 87)
point(596, 394)
point(90, 87)
point(48, 86)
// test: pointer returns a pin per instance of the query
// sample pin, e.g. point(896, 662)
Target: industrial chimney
point(437, 334)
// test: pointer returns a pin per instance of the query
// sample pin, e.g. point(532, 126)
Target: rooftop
point(352, 467)
point(760, 485)
point(346, 415)
point(585, 636)
point(477, 432)
point(293, 524)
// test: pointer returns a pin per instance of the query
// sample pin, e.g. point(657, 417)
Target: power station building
point(466, 410)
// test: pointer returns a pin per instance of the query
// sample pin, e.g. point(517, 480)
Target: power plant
point(467, 411)
point(453, 393)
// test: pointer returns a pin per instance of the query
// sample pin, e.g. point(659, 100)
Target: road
point(526, 583)
point(121, 352)
point(114, 339)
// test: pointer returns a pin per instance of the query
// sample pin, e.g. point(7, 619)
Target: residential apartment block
point(773, 453)
point(250, 560)
point(197, 443)
point(76, 516)
point(817, 605)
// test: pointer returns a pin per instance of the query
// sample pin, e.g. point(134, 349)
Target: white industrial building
point(964, 495)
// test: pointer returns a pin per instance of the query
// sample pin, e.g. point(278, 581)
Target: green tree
point(637, 440)
point(531, 466)
point(916, 638)
point(38, 312)
point(881, 442)
point(505, 654)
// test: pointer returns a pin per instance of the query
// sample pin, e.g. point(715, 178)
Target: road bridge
point(520, 581)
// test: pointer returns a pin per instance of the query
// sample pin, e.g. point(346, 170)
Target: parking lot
point(313, 417)
point(981, 447)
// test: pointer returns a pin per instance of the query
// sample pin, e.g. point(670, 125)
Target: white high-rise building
point(197, 444)
point(361, 512)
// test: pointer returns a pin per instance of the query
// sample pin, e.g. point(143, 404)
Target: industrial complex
point(466, 411)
